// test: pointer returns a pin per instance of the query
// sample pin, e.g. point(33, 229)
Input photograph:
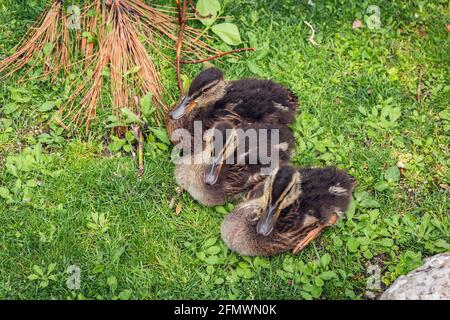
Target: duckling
point(287, 210)
point(211, 98)
point(213, 179)
point(207, 87)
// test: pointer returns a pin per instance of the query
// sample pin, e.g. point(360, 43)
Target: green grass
point(74, 203)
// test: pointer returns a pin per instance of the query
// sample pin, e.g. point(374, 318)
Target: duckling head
point(208, 87)
point(281, 190)
point(221, 144)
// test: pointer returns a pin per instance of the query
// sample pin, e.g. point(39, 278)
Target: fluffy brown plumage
point(287, 210)
point(211, 99)
point(213, 179)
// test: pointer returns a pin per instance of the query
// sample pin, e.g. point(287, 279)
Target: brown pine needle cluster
point(118, 67)
point(132, 73)
point(47, 45)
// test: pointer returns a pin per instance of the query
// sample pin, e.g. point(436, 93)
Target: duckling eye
point(200, 92)
point(208, 86)
point(282, 198)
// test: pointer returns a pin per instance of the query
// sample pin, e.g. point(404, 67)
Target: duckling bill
point(213, 178)
point(287, 210)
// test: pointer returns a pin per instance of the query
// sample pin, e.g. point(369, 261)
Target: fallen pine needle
point(313, 34)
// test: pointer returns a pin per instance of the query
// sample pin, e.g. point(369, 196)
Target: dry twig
point(217, 56)
point(313, 34)
point(182, 23)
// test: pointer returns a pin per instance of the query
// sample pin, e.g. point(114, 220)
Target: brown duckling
point(211, 98)
point(236, 165)
point(287, 210)
point(207, 88)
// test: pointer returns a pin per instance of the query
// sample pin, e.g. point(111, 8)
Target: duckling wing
point(259, 101)
point(325, 191)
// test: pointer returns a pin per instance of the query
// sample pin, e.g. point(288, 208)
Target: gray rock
point(428, 282)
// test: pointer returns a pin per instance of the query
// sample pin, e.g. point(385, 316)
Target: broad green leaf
point(210, 269)
point(288, 264)
point(146, 104)
point(370, 203)
point(245, 273)
point(51, 267)
point(252, 39)
point(5, 123)
point(316, 292)
point(208, 243)
point(161, 134)
point(4, 193)
point(212, 260)
point(352, 245)
point(125, 294)
point(116, 144)
point(47, 106)
point(319, 281)
point(38, 152)
point(445, 115)
point(394, 114)
point(254, 16)
point(10, 108)
point(126, 148)
point(392, 174)
point(213, 250)
point(221, 209)
point(27, 194)
point(98, 269)
point(20, 95)
point(338, 242)
point(305, 295)
point(38, 270)
point(386, 242)
point(350, 293)
point(200, 255)
point(33, 277)
point(351, 210)
point(112, 283)
point(53, 277)
point(367, 254)
point(129, 136)
point(261, 262)
point(131, 117)
point(32, 183)
point(262, 51)
point(325, 259)
point(112, 118)
point(208, 7)
point(230, 206)
point(381, 186)
point(360, 196)
point(327, 275)
point(228, 32)
point(441, 243)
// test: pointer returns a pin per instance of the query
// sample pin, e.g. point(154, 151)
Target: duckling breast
point(238, 231)
point(190, 178)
